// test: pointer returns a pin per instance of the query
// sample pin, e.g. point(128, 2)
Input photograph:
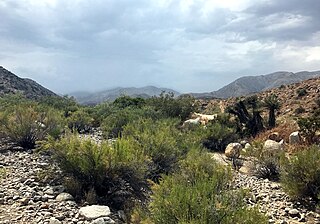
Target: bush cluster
point(199, 192)
point(301, 174)
point(113, 174)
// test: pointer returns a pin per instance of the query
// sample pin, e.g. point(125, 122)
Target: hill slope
point(254, 84)
point(112, 94)
point(12, 84)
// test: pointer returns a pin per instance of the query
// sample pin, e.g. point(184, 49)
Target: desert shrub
point(219, 134)
point(161, 141)
point(265, 165)
point(299, 110)
point(112, 126)
point(80, 121)
point(199, 192)
point(301, 92)
point(300, 175)
point(309, 127)
point(66, 104)
point(27, 124)
point(127, 101)
point(169, 106)
point(113, 174)
point(99, 113)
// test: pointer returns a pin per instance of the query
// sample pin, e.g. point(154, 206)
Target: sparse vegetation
point(301, 174)
point(198, 192)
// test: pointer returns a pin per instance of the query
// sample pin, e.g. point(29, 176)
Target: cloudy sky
point(187, 45)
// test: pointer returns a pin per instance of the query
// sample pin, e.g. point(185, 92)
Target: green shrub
point(309, 127)
point(300, 175)
point(198, 193)
point(112, 126)
point(161, 141)
point(80, 121)
point(299, 110)
point(219, 134)
point(301, 92)
point(115, 174)
point(27, 124)
point(127, 101)
point(169, 106)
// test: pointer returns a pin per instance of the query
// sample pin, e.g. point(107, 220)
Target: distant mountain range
point(255, 84)
point(12, 84)
point(112, 94)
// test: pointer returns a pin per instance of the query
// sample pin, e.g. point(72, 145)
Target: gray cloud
point(87, 45)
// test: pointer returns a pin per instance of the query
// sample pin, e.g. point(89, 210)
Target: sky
point(187, 45)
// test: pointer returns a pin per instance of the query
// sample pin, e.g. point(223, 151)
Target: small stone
point(49, 191)
point(294, 212)
point(64, 197)
point(24, 201)
point(54, 221)
point(103, 220)
point(94, 211)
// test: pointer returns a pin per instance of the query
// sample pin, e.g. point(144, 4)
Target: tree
point(273, 104)
point(248, 114)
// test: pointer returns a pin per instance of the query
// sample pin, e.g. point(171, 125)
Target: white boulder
point(94, 211)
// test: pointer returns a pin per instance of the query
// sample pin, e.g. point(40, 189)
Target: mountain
point(254, 84)
point(112, 94)
point(12, 84)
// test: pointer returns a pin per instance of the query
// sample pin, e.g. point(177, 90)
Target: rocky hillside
point(12, 84)
point(255, 84)
point(112, 94)
point(297, 99)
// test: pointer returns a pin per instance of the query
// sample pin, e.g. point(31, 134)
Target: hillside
point(12, 84)
point(112, 94)
point(292, 105)
point(254, 84)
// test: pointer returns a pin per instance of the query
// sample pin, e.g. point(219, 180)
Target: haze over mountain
point(12, 84)
point(112, 94)
point(254, 84)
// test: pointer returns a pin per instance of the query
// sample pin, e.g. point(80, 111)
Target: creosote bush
point(26, 124)
point(300, 175)
point(199, 193)
point(161, 141)
point(112, 174)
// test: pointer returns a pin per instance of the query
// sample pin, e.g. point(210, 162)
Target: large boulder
point(273, 146)
point(94, 211)
point(294, 138)
point(233, 150)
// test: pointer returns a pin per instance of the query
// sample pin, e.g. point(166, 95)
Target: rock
point(64, 197)
point(233, 150)
point(24, 201)
point(94, 211)
point(294, 138)
point(273, 146)
point(103, 220)
point(294, 212)
point(275, 136)
point(54, 221)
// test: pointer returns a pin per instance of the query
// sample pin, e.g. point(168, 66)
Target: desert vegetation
point(154, 167)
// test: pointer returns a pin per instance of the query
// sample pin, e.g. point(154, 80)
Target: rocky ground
point(269, 196)
point(26, 197)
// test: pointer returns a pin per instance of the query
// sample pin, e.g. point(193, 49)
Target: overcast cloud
point(187, 45)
